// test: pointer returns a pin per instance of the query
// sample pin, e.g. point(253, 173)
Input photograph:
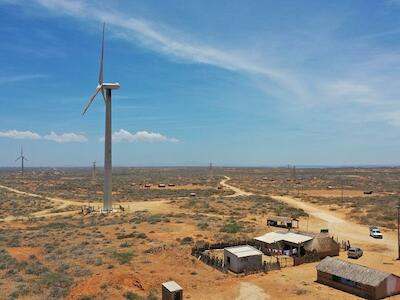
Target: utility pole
point(94, 171)
point(341, 181)
point(398, 230)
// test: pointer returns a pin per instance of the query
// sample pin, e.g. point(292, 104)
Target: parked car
point(375, 232)
point(354, 252)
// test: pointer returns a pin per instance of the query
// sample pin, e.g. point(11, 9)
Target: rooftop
point(291, 237)
point(351, 271)
point(281, 219)
point(243, 251)
point(172, 286)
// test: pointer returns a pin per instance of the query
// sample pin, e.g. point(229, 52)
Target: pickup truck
point(375, 232)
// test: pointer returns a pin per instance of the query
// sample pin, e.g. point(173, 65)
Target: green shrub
point(231, 227)
point(123, 257)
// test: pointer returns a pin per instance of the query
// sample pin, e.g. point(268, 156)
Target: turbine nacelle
point(110, 86)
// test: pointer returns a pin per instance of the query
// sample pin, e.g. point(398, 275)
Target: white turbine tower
point(105, 89)
point(22, 158)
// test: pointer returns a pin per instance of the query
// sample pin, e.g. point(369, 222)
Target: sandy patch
point(23, 253)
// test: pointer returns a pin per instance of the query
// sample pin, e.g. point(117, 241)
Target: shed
point(284, 242)
point(285, 222)
point(171, 291)
point(244, 258)
point(356, 279)
point(323, 245)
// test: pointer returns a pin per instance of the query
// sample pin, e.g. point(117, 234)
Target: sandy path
point(155, 206)
point(251, 291)
point(237, 191)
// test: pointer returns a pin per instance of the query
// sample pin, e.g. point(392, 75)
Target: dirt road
point(237, 191)
point(60, 204)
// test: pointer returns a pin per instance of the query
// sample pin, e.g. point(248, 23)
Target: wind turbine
point(105, 89)
point(22, 158)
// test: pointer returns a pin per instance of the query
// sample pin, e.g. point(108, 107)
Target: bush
point(36, 268)
point(141, 236)
point(203, 226)
point(187, 240)
point(232, 227)
point(132, 296)
point(123, 257)
point(58, 283)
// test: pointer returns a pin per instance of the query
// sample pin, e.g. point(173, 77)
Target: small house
point(356, 279)
point(283, 242)
point(243, 258)
point(171, 291)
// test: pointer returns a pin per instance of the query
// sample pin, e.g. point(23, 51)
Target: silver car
point(354, 252)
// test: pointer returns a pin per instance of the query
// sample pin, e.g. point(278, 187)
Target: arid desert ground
point(49, 249)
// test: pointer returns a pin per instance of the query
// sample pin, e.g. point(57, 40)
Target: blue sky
point(230, 82)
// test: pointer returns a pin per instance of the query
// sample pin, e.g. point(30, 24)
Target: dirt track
point(237, 191)
point(64, 203)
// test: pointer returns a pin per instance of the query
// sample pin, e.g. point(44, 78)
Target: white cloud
point(351, 91)
point(141, 136)
point(66, 137)
point(392, 117)
point(160, 38)
point(20, 135)
point(17, 78)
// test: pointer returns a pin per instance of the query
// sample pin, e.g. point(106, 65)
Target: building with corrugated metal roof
point(283, 242)
point(244, 258)
point(356, 279)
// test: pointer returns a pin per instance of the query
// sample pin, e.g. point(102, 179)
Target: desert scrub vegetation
point(231, 227)
point(128, 183)
point(33, 277)
point(367, 210)
point(13, 204)
point(241, 206)
point(133, 296)
point(123, 257)
point(276, 181)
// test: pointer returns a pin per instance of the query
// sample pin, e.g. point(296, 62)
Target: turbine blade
point(102, 57)
point(25, 158)
point(18, 158)
point(99, 87)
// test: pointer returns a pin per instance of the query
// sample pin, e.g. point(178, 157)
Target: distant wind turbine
point(105, 89)
point(22, 158)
